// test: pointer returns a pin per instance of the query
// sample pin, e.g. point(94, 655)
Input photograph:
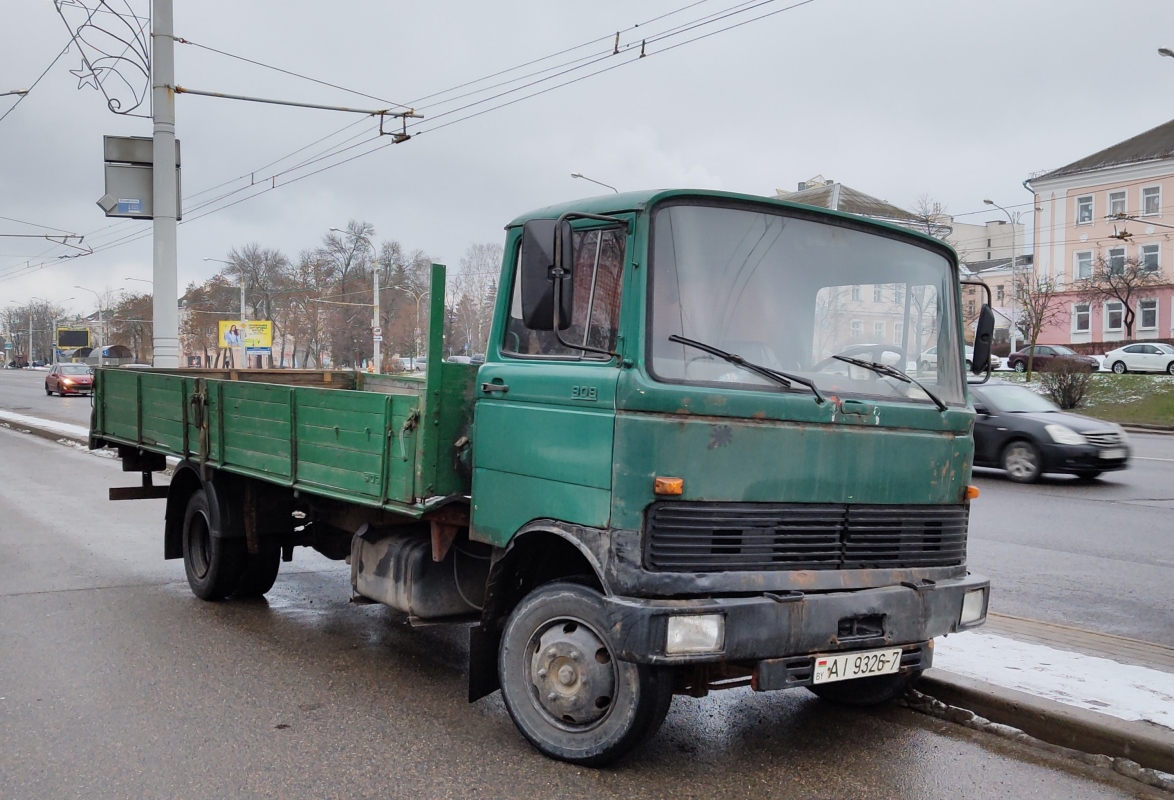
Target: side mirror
point(982, 410)
point(535, 272)
point(984, 332)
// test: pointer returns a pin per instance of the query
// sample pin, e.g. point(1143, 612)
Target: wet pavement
point(116, 682)
point(1096, 555)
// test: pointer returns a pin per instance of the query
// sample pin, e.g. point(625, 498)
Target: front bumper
point(1067, 458)
point(793, 624)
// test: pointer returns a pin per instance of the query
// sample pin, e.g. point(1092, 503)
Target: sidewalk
point(1088, 691)
point(1093, 692)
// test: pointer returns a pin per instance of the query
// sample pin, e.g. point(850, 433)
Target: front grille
point(725, 537)
point(1103, 439)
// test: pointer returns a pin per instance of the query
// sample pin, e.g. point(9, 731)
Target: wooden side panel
point(161, 402)
point(342, 440)
point(120, 401)
point(256, 422)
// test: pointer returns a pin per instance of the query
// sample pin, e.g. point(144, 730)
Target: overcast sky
point(957, 100)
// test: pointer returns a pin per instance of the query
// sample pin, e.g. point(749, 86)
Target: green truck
point(699, 455)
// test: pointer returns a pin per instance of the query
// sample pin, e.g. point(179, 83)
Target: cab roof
point(642, 200)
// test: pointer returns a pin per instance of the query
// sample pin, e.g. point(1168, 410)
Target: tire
point(1022, 461)
point(924, 365)
point(969, 366)
point(1170, 368)
point(1019, 366)
point(864, 692)
point(260, 570)
point(563, 686)
point(213, 564)
point(1119, 367)
point(1089, 474)
point(48, 391)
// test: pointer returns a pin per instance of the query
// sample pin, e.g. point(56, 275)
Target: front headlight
point(1062, 434)
point(696, 633)
point(973, 607)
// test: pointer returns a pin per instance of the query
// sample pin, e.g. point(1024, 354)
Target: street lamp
point(101, 328)
point(1014, 220)
point(601, 183)
point(244, 316)
point(1166, 51)
point(21, 92)
point(376, 339)
point(417, 295)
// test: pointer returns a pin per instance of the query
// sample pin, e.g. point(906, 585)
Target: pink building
point(1115, 205)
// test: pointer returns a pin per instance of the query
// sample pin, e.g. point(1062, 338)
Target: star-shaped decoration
point(85, 76)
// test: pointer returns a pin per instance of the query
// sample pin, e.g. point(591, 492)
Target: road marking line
point(1151, 458)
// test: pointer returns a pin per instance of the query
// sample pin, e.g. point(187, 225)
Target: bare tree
point(1117, 279)
point(931, 218)
point(131, 325)
point(474, 292)
point(1037, 309)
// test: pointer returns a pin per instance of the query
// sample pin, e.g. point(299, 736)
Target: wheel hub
point(1020, 461)
point(572, 673)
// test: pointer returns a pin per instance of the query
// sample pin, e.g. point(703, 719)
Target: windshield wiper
point(783, 378)
point(892, 372)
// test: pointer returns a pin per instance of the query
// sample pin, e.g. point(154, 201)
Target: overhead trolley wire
point(269, 183)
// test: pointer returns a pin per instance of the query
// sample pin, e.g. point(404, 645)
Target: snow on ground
point(63, 428)
point(1121, 690)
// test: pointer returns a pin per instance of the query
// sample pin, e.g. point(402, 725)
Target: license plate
point(1118, 453)
point(846, 666)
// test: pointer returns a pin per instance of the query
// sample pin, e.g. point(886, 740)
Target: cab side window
point(598, 282)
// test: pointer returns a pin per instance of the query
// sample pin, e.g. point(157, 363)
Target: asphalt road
point(116, 682)
point(23, 391)
point(1098, 556)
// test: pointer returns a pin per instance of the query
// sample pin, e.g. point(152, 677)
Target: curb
point(44, 433)
point(1149, 745)
point(1139, 427)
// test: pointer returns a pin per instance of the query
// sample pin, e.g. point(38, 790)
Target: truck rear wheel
point(260, 571)
point(866, 691)
point(213, 564)
point(563, 686)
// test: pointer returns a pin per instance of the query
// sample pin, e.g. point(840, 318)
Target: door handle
point(489, 388)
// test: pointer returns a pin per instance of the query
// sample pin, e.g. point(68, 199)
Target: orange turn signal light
point(669, 486)
point(971, 492)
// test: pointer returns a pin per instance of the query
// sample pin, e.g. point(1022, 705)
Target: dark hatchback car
point(69, 379)
point(1027, 435)
point(1046, 355)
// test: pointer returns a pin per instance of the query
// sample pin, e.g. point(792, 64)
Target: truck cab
point(695, 430)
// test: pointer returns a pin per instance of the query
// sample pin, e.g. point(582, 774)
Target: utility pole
point(165, 313)
point(244, 325)
point(375, 325)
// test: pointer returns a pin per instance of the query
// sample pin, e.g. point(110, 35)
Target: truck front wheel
point(866, 691)
point(563, 686)
point(213, 564)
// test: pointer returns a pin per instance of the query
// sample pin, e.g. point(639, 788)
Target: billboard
point(72, 338)
point(258, 333)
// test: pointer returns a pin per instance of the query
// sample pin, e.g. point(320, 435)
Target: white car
point(1155, 357)
point(929, 359)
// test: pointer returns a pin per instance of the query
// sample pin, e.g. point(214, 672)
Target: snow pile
point(62, 428)
point(1121, 690)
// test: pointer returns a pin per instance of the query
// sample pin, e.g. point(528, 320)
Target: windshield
point(1015, 399)
point(789, 293)
point(1165, 348)
point(1064, 351)
point(75, 369)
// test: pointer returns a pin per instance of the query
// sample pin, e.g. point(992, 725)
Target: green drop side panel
point(257, 421)
point(342, 439)
point(120, 404)
point(161, 408)
point(457, 384)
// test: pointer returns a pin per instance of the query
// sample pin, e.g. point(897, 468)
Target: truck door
point(545, 413)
